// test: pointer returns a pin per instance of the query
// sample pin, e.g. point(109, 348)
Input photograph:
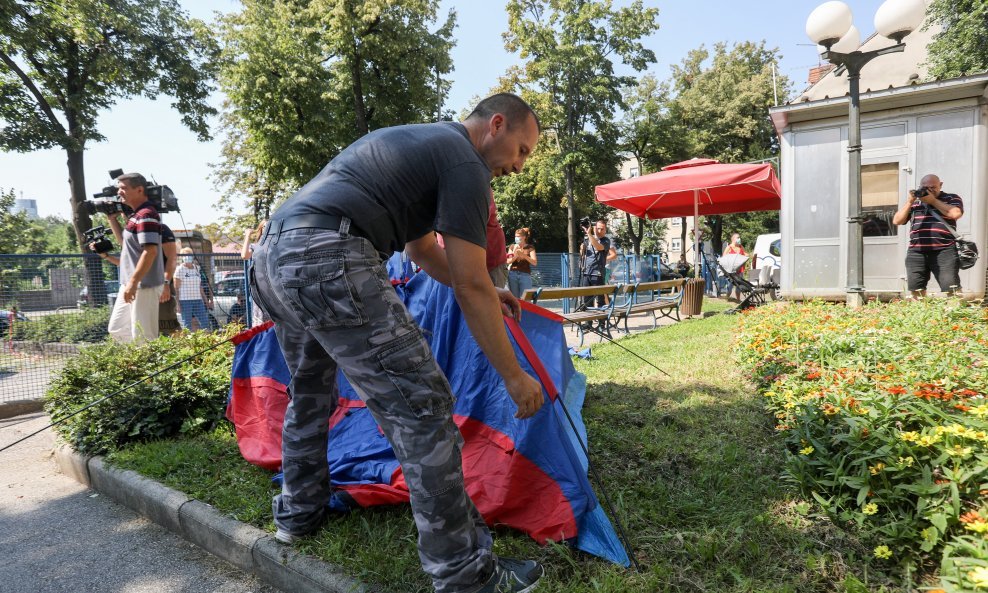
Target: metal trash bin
point(693, 297)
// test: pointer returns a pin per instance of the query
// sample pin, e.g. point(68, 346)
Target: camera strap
point(936, 214)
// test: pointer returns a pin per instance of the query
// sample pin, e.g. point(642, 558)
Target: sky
point(148, 136)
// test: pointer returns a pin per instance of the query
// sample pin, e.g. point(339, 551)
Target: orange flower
point(897, 390)
point(962, 407)
point(813, 375)
point(969, 517)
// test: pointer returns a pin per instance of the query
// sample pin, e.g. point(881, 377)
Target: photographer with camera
point(142, 275)
point(934, 216)
point(593, 255)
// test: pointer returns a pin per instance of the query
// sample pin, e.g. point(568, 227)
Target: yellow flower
point(979, 411)
point(906, 461)
point(877, 468)
point(909, 436)
point(980, 435)
point(928, 440)
point(959, 451)
point(770, 394)
point(806, 451)
point(979, 526)
point(957, 429)
point(870, 508)
point(979, 577)
point(884, 552)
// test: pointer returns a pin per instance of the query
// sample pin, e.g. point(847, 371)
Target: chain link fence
point(51, 305)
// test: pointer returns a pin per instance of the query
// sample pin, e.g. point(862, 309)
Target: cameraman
point(142, 275)
point(593, 254)
point(931, 243)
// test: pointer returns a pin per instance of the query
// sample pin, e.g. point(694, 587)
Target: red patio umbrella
point(695, 187)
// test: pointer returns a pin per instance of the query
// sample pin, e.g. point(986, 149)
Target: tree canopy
point(570, 48)
point(62, 64)
point(961, 46)
point(715, 105)
point(305, 78)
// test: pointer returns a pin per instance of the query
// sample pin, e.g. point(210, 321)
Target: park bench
point(661, 299)
point(583, 318)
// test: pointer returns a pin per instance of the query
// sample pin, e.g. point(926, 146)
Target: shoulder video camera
point(106, 201)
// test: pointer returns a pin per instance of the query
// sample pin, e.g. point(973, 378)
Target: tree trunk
point(359, 109)
point(636, 238)
point(570, 209)
point(717, 233)
point(82, 223)
point(682, 236)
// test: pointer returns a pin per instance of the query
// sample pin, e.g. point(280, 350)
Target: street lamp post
point(830, 25)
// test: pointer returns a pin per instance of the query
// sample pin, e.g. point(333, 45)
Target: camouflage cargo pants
point(334, 308)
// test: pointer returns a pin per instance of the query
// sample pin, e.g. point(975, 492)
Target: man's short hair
point(133, 180)
point(510, 105)
point(604, 222)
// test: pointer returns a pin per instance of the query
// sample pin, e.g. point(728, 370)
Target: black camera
point(106, 201)
point(585, 222)
point(98, 237)
point(920, 192)
point(105, 205)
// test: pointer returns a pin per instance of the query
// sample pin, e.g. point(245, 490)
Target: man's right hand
point(526, 393)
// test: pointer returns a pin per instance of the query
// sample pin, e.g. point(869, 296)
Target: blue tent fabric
point(529, 474)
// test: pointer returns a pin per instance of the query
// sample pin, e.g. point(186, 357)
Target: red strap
point(533, 359)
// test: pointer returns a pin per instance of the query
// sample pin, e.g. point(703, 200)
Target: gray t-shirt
point(593, 260)
point(397, 184)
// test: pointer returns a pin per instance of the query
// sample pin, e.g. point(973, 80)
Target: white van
point(767, 259)
point(768, 251)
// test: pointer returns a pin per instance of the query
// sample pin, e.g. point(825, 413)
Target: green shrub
point(87, 326)
point(886, 423)
point(186, 399)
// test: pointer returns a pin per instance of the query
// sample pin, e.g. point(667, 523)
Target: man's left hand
point(166, 294)
point(130, 292)
point(509, 304)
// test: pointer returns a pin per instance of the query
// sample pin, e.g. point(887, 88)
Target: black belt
point(329, 222)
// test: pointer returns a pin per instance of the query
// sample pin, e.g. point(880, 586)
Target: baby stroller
point(750, 295)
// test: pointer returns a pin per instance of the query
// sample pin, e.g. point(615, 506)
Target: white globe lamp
point(829, 22)
point(851, 41)
point(897, 18)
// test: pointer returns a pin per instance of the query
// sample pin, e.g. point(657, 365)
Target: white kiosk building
point(909, 128)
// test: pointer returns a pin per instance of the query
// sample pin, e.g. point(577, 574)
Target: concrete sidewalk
point(59, 536)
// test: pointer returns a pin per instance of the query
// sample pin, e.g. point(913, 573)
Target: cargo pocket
point(254, 292)
point(317, 287)
point(410, 366)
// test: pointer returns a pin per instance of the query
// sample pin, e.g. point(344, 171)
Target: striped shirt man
point(143, 228)
point(926, 232)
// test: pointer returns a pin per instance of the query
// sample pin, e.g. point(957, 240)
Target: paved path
point(56, 536)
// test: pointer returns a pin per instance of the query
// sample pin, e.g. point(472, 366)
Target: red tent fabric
point(696, 186)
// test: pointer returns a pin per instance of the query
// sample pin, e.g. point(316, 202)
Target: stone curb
point(242, 545)
point(19, 407)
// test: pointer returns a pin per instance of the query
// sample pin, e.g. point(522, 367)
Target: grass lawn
point(690, 460)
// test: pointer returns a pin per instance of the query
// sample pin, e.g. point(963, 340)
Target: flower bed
point(885, 420)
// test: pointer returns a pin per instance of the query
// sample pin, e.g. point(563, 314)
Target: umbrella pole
point(696, 233)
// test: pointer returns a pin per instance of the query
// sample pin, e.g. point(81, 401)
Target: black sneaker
point(513, 576)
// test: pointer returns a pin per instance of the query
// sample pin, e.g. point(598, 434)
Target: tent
point(695, 187)
point(527, 474)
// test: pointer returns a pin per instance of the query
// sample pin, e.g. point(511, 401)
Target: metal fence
point(51, 305)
